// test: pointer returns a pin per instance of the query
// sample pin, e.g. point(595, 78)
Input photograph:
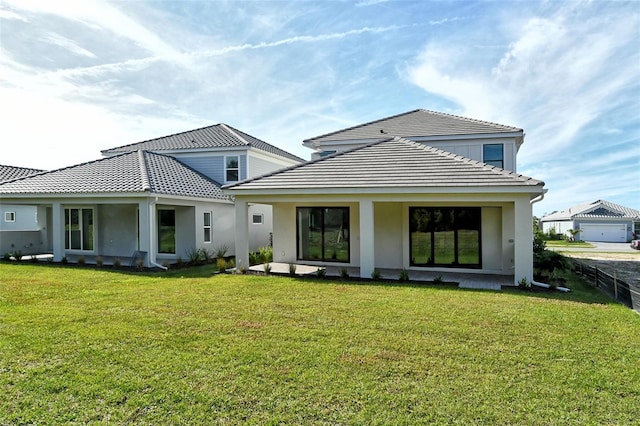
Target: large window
point(207, 227)
point(323, 233)
point(445, 236)
point(167, 231)
point(493, 154)
point(232, 168)
point(78, 228)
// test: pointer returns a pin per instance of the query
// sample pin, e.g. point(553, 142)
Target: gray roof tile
point(415, 123)
point(392, 163)
point(599, 209)
point(8, 173)
point(216, 136)
point(132, 172)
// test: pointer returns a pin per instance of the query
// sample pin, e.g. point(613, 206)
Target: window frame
point(7, 216)
point(160, 232)
point(345, 232)
point(82, 228)
point(208, 227)
point(493, 161)
point(257, 215)
point(228, 169)
point(455, 226)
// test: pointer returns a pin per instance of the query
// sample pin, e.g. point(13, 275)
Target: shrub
point(438, 280)
point(344, 273)
point(117, 263)
point(539, 244)
point(82, 261)
point(321, 273)
point(266, 254)
point(64, 260)
point(404, 275)
point(524, 283)
point(6, 256)
point(292, 269)
point(221, 264)
point(242, 269)
point(221, 251)
point(17, 255)
point(375, 275)
point(267, 268)
point(99, 261)
point(231, 263)
point(34, 258)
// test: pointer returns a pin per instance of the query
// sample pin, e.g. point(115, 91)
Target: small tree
point(572, 234)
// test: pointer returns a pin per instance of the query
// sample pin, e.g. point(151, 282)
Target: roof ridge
point(239, 133)
point(233, 133)
point(159, 137)
point(144, 172)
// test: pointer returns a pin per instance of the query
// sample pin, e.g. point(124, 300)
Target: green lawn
point(563, 243)
point(87, 346)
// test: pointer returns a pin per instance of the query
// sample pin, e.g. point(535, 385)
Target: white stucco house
point(418, 191)
point(161, 197)
point(599, 220)
point(19, 229)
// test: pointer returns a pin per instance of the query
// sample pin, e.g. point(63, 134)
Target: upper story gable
point(491, 143)
point(220, 152)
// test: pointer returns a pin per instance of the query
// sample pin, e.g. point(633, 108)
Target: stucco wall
point(117, 230)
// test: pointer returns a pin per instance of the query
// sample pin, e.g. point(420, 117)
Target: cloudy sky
point(78, 77)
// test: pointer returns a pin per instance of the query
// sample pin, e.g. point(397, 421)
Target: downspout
point(536, 283)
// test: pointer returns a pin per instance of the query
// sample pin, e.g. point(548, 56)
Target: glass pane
point(444, 236)
point(232, 162)
point(492, 154)
point(166, 231)
point(207, 219)
point(232, 175)
point(336, 234)
point(420, 229)
point(74, 229)
point(87, 229)
point(468, 223)
point(207, 235)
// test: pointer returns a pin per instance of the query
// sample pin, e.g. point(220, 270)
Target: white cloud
point(70, 45)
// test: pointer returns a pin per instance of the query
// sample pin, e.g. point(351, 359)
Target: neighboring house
point(389, 199)
point(19, 227)
point(597, 221)
point(161, 197)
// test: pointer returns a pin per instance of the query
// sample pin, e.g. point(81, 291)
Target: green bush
point(404, 275)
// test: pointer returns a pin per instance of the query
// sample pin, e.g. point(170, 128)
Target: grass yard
point(563, 243)
point(82, 345)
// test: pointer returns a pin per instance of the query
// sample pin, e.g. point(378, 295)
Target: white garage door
point(609, 233)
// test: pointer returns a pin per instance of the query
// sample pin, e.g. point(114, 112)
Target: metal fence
point(617, 289)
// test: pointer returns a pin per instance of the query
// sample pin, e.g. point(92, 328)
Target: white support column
point(242, 233)
point(57, 233)
point(367, 240)
point(145, 225)
point(523, 245)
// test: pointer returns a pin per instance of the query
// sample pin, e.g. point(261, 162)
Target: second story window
point(493, 154)
point(232, 168)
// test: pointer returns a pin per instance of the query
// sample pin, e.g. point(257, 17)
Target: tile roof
point(216, 136)
point(599, 209)
point(132, 172)
point(8, 173)
point(416, 123)
point(392, 163)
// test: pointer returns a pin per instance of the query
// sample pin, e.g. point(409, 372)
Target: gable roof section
point(216, 136)
point(8, 173)
point(599, 209)
point(133, 172)
point(416, 123)
point(392, 163)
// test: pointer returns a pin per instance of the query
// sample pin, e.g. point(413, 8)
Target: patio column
point(242, 233)
point(145, 225)
point(367, 240)
point(523, 244)
point(57, 233)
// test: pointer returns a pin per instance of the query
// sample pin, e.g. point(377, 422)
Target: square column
point(523, 244)
point(367, 239)
point(146, 227)
point(242, 233)
point(57, 233)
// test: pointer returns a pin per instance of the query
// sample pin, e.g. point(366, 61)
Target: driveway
point(600, 248)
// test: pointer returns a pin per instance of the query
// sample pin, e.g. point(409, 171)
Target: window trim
point(493, 162)
point(227, 169)
point(254, 216)
point(10, 216)
point(206, 227)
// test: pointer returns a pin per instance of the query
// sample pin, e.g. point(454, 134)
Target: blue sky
point(78, 77)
